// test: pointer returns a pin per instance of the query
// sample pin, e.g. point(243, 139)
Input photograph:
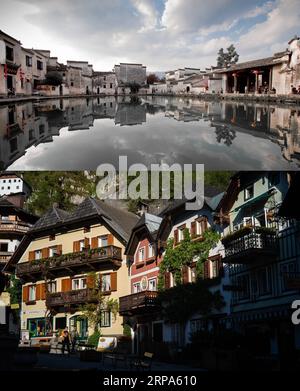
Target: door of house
point(9, 83)
point(81, 325)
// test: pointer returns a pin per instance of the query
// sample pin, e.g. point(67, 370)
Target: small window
point(52, 287)
point(111, 85)
point(105, 283)
point(103, 241)
point(53, 251)
point(136, 287)
point(28, 61)
point(9, 53)
point(105, 319)
point(39, 65)
point(104, 86)
point(38, 254)
point(4, 247)
point(78, 283)
point(152, 285)
point(150, 251)
point(141, 254)
point(181, 233)
point(249, 192)
point(81, 245)
point(32, 293)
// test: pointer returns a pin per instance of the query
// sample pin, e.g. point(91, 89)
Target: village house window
point(105, 319)
point(181, 233)
point(244, 283)
point(53, 251)
point(152, 285)
point(39, 65)
point(287, 270)
point(136, 287)
point(264, 281)
point(111, 85)
point(104, 86)
point(141, 254)
point(28, 61)
point(105, 283)
point(81, 245)
point(249, 192)
point(32, 293)
point(103, 241)
point(38, 254)
point(4, 247)
point(150, 251)
point(193, 274)
point(9, 53)
point(78, 283)
point(52, 287)
point(72, 85)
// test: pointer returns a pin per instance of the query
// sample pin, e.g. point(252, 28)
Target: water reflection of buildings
point(280, 125)
point(28, 124)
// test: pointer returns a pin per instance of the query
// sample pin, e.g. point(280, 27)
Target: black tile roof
point(119, 220)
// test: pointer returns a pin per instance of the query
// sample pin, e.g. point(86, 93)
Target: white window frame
point(137, 287)
point(150, 281)
point(82, 283)
point(150, 251)
point(52, 287)
point(105, 287)
point(38, 254)
point(32, 293)
point(101, 241)
point(141, 250)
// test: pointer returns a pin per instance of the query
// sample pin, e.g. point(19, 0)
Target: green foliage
point(225, 59)
point(60, 187)
point(94, 338)
point(186, 252)
point(219, 179)
point(181, 302)
point(15, 290)
point(126, 331)
point(93, 311)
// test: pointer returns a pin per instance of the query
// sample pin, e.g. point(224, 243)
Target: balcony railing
point(14, 226)
point(77, 262)
point(5, 256)
point(76, 297)
point(250, 244)
point(138, 302)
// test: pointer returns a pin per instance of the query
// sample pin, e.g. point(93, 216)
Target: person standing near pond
point(65, 341)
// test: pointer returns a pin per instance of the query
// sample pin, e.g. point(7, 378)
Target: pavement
point(73, 363)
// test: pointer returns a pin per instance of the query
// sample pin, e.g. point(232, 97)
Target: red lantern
point(21, 74)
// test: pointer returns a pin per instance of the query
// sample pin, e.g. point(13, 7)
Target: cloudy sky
point(162, 34)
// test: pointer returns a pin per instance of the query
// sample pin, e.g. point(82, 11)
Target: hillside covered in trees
point(68, 188)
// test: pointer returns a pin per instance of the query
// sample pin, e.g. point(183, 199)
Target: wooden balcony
point(72, 263)
point(15, 227)
point(138, 303)
point(5, 256)
point(70, 299)
point(250, 245)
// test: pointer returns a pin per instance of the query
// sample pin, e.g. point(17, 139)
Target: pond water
point(77, 134)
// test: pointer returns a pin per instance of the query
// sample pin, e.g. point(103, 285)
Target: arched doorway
point(188, 89)
point(79, 322)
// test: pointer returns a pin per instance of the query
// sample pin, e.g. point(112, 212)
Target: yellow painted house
point(67, 251)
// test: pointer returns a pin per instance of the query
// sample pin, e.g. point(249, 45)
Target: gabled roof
point(119, 220)
point(147, 226)
point(53, 217)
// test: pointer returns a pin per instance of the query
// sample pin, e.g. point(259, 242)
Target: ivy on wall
point(185, 253)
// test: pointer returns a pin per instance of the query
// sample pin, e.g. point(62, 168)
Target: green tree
point(63, 188)
point(186, 252)
point(94, 310)
point(225, 59)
